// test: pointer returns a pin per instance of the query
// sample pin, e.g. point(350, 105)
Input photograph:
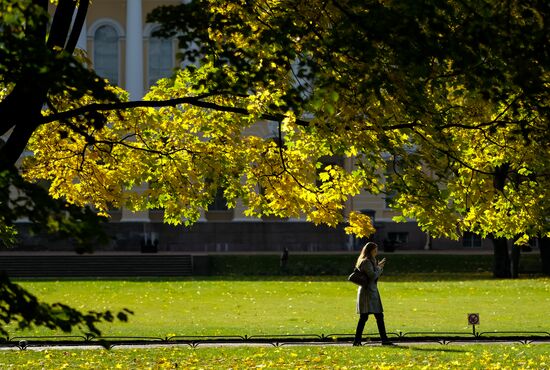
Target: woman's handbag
point(358, 277)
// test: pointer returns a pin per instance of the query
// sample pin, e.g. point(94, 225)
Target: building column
point(134, 80)
point(82, 42)
point(134, 49)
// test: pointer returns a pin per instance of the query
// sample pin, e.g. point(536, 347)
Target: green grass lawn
point(512, 356)
point(301, 305)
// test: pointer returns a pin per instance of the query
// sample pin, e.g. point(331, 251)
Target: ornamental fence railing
point(25, 342)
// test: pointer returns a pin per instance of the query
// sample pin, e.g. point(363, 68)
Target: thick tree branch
point(191, 100)
point(77, 25)
point(199, 102)
point(61, 23)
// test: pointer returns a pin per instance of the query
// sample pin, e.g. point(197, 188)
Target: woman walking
point(368, 298)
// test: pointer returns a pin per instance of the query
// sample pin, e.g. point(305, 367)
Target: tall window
point(106, 57)
point(219, 203)
point(161, 61)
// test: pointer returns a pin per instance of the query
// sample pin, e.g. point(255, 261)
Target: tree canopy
point(451, 98)
point(452, 95)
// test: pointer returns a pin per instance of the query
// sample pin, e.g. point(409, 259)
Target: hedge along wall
point(342, 264)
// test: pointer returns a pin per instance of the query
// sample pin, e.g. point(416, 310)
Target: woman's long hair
point(366, 253)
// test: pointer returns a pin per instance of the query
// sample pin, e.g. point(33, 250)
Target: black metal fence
point(24, 342)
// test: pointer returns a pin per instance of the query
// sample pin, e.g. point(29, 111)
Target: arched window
point(106, 54)
point(161, 59)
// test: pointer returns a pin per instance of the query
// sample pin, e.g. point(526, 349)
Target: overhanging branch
point(78, 23)
point(196, 101)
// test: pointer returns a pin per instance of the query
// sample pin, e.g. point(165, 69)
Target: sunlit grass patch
point(481, 356)
point(301, 306)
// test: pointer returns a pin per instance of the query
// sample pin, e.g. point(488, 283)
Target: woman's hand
point(382, 263)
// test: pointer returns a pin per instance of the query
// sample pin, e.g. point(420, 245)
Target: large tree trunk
point(501, 266)
point(21, 109)
point(544, 248)
point(516, 253)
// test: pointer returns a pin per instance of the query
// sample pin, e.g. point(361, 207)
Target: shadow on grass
point(429, 349)
point(420, 277)
point(424, 277)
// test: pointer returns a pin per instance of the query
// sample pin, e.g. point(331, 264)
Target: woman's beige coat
point(368, 297)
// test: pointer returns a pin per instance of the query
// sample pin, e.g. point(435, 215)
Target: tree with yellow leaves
point(453, 95)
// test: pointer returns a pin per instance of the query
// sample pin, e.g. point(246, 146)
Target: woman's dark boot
point(359, 331)
point(382, 330)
